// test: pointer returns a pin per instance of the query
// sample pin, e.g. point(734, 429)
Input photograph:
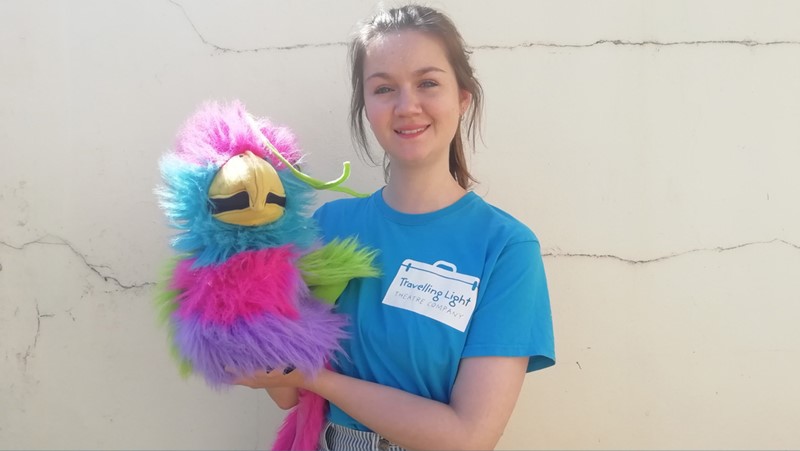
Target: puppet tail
point(301, 429)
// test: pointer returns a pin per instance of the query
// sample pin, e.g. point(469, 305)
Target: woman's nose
point(407, 102)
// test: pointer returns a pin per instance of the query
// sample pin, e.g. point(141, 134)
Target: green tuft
point(166, 302)
point(328, 269)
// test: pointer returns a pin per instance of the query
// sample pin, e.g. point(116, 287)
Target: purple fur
point(265, 342)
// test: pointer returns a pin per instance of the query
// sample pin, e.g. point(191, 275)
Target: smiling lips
point(411, 132)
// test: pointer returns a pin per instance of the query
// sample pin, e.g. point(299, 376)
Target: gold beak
point(247, 191)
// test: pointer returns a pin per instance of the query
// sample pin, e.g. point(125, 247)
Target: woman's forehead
point(408, 50)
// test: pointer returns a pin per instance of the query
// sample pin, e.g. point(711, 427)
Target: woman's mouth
point(411, 132)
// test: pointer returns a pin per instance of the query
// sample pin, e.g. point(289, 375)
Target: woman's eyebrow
point(427, 69)
point(418, 72)
point(383, 75)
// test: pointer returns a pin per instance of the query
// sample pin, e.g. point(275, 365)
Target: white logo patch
point(437, 291)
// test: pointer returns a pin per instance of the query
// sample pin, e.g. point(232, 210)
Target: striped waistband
point(339, 438)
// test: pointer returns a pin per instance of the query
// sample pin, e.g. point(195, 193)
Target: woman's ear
point(464, 99)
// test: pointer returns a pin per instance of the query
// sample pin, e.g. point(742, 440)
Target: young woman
point(441, 343)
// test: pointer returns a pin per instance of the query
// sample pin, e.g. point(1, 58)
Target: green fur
point(328, 293)
point(328, 269)
point(166, 303)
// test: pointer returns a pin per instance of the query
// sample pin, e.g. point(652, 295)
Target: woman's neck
point(419, 191)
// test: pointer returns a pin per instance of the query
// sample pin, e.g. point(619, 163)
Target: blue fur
point(184, 199)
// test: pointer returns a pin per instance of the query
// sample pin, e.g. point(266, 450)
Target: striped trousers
point(340, 438)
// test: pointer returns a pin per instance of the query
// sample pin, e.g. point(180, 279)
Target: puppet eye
point(276, 199)
point(238, 201)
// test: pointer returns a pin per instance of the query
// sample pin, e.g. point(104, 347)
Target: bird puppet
point(251, 286)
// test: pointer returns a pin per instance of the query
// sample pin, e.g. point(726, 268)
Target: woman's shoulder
point(341, 207)
point(341, 217)
point(504, 225)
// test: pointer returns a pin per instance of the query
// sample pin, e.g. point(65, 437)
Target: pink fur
point(218, 132)
point(247, 284)
point(301, 429)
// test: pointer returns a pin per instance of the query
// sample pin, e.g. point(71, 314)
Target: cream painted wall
point(653, 147)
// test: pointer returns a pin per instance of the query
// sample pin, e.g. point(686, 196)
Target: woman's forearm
point(406, 419)
point(480, 405)
point(482, 401)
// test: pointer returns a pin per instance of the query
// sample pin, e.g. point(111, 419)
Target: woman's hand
point(281, 384)
point(287, 377)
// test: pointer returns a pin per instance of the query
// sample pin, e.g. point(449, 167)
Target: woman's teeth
point(411, 132)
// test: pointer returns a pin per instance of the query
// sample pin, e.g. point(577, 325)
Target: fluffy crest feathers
point(217, 132)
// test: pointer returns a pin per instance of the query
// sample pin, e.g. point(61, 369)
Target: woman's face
point(412, 99)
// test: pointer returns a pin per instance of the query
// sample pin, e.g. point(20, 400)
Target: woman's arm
point(483, 397)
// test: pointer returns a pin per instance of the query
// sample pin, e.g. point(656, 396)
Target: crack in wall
point(551, 254)
point(620, 42)
point(29, 350)
point(252, 50)
point(718, 249)
point(523, 45)
point(93, 267)
point(32, 347)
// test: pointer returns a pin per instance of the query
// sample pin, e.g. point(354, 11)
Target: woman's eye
point(428, 84)
point(382, 90)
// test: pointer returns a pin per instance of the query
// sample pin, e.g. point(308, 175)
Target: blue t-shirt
point(463, 281)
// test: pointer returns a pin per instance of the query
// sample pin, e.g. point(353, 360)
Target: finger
point(241, 380)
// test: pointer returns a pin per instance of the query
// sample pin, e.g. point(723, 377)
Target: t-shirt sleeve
point(513, 317)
